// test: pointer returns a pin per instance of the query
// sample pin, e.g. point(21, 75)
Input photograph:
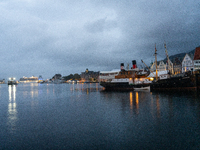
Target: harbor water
point(84, 116)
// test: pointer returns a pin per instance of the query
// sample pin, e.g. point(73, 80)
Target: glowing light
point(151, 79)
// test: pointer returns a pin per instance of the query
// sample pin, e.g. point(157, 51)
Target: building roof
point(197, 53)
point(177, 61)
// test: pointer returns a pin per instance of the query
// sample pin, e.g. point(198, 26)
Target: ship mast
point(156, 62)
point(169, 64)
point(147, 67)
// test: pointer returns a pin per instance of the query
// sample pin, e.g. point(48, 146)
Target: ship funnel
point(122, 66)
point(134, 64)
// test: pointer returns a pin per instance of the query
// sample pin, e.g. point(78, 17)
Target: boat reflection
point(12, 108)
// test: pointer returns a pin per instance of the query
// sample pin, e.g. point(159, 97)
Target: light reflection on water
point(131, 100)
point(137, 102)
point(134, 101)
point(85, 87)
point(12, 107)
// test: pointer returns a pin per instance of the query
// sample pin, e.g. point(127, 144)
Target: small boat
point(147, 88)
point(12, 81)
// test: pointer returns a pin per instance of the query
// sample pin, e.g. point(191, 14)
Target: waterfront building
point(90, 76)
point(187, 63)
point(2, 81)
point(162, 66)
point(177, 66)
point(197, 59)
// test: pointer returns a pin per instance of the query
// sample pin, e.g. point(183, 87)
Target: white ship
point(29, 79)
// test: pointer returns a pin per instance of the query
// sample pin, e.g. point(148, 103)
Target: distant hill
point(180, 56)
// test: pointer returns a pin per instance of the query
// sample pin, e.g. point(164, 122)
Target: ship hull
point(176, 83)
point(12, 83)
point(124, 86)
point(116, 86)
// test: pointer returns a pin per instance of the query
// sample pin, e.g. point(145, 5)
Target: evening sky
point(46, 37)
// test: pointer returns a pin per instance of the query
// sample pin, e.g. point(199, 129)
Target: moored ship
point(124, 79)
point(189, 80)
point(185, 81)
point(31, 79)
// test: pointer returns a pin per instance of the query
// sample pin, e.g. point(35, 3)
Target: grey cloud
point(49, 37)
point(100, 25)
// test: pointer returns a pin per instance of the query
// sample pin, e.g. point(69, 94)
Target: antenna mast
point(170, 67)
point(147, 67)
point(156, 62)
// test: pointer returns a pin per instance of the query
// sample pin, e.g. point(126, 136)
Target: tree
point(76, 76)
point(71, 76)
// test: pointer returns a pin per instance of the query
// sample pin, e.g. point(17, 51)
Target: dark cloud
point(48, 37)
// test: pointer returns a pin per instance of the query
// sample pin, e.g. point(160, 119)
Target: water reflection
point(12, 108)
point(137, 102)
point(134, 101)
point(131, 100)
point(114, 120)
point(157, 106)
point(30, 88)
point(85, 87)
point(34, 89)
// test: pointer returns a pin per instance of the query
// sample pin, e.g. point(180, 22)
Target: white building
point(187, 63)
point(161, 66)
